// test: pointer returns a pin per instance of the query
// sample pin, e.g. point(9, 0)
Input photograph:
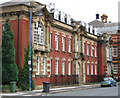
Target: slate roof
point(110, 28)
point(18, 2)
point(96, 23)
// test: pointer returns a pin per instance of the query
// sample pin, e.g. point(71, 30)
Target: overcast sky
point(85, 10)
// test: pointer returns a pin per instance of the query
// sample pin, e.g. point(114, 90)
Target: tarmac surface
point(51, 91)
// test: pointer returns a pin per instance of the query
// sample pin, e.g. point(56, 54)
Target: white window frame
point(108, 51)
point(38, 33)
point(44, 66)
point(50, 66)
point(63, 67)
point(77, 45)
point(38, 66)
point(56, 42)
point(69, 45)
point(115, 51)
point(95, 51)
point(91, 69)
point(56, 67)
point(95, 69)
point(88, 68)
point(63, 43)
point(69, 67)
point(92, 48)
point(88, 46)
point(115, 68)
point(50, 40)
point(84, 48)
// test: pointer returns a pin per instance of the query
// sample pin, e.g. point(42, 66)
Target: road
point(104, 91)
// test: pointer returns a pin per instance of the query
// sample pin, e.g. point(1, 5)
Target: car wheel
point(111, 85)
point(101, 85)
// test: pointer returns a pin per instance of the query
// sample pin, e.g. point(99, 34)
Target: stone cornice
point(15, 5)
point(90, 37)
point(15, 13)
point(61, 27)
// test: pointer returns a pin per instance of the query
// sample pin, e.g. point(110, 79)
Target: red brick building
point(118, 54)
point(107, 29)
point(52, 42)
point(65, 51)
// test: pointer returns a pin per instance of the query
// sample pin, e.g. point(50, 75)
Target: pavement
point(51, 91)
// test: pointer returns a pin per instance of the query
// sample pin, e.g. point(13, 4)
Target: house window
point(95, 52)
point(95, 69)
point(108, 51)
point(59, 16)
point(69, 68)
point(115, 51)
point(69, 45)
point(56, 67)
point(88, 69)
point(63, 43)
point(92, 48)
point(115, 68)
point(37, 67)
point(77, 45)
point(38, 33)
point(91, 69)
point(93, 31)
point(44, 66)
point(50, 40)
point(56, 42)
point(63, 67)
point(84, 48)
point(50, 66)
point(89, 30)
point(88, 49)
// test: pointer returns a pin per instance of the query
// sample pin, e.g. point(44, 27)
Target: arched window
point(38, 33)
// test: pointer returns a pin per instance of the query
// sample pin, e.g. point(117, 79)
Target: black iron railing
point(64, 79)
point(94, 78)
point(73, 79)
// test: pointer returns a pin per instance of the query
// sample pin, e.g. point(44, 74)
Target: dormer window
point(69, 19)
point(38, 33)
point(60, 16)
point(89, 29)
point(93, 31)
point(65, 18)
point(56, 14)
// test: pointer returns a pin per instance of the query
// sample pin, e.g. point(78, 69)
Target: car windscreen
point(106, 79)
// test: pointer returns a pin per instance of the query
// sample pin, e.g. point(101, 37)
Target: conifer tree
point(9, 68)
point(23, 83)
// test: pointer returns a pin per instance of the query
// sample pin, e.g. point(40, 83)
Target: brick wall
point(54, 54)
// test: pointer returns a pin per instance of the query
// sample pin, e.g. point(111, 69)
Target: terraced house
point(65, 51)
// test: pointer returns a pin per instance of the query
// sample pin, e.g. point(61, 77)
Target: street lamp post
point(29, 62)
point(37, 11)
point(105, 52)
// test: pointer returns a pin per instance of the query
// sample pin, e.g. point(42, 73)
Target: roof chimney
point(104, 18)
point(97, 16)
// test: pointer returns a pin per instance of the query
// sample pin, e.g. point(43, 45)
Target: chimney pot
point(97, 16)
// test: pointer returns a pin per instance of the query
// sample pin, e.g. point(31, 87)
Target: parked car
point(108, 82)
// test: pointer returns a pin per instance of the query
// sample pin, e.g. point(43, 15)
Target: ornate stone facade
point(60, 44)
